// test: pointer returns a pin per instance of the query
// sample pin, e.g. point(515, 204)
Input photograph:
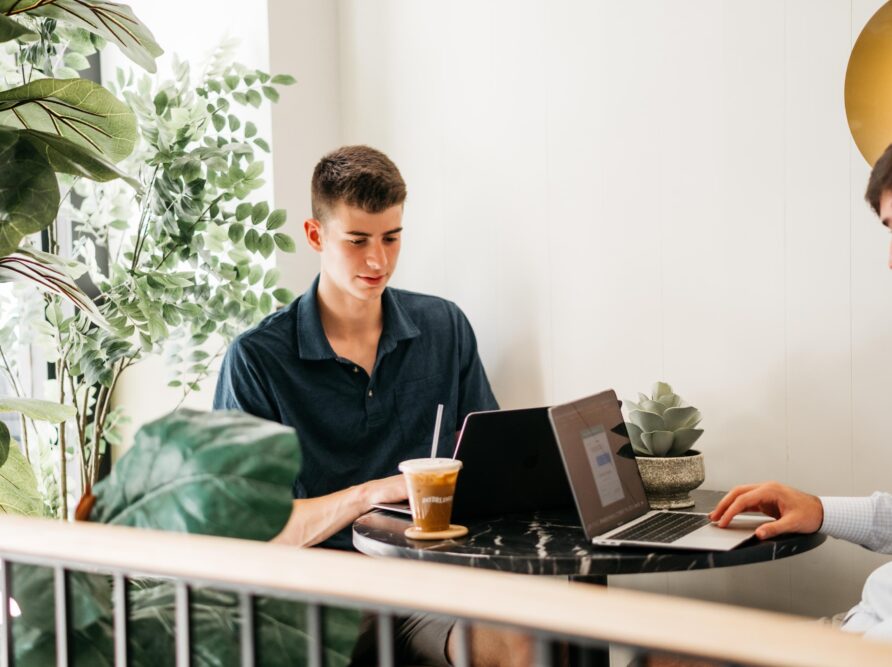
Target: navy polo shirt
point(353, 427)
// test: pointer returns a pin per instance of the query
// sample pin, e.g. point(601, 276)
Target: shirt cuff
point(844, 518)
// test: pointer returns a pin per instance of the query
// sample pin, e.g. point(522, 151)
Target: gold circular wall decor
point(869, 86)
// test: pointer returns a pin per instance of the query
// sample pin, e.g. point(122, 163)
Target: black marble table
point(553, 543)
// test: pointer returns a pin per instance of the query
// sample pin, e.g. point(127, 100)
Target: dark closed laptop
point(510, 463)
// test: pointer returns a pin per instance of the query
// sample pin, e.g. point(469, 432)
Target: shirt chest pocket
point(416, 407)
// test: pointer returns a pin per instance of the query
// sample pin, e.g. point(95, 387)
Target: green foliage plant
point(662, 424)
point(54, 122)
point(54, 126)
point(234, 473)
point(187, 251)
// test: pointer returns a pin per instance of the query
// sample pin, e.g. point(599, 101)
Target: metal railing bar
point(202, 582)
point(5, 616)
point(541, 651)
point(314, 633)
point(246, 607)
point(462, 657)
point(60, 589)
point(385, 640)
point(182, 624)
point(308, 599)
point(269, 590)
point(120, 612)
point(255, 591)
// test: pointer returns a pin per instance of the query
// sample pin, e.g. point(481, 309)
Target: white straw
point(437, 430)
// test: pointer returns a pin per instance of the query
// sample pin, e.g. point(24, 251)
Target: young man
point(358, 368)
point(864, 521)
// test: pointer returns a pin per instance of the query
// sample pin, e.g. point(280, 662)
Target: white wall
point(620, 192)
point(304, 42)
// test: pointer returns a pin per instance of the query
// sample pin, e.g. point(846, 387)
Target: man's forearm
point(314, 520)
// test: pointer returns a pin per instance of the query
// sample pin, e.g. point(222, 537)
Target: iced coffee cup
point(431, 485)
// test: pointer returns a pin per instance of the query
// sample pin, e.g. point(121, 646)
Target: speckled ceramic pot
point(668, 480)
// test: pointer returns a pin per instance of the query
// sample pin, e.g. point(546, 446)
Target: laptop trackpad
point(713, 537)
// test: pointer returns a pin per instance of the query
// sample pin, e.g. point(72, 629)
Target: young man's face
point(359, 250)
point(886, 215)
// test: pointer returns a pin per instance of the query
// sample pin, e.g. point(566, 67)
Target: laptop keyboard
point(664, 527)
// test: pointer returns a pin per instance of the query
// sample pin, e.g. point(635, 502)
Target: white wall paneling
point(620, 192)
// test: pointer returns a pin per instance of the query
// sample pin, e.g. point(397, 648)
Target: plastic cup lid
point(430, 465)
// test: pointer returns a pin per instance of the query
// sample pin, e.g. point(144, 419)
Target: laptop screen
point(599, 461)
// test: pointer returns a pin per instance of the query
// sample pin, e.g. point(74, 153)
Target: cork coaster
point(414, 533)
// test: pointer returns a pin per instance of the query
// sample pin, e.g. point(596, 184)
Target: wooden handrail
point(632, 618)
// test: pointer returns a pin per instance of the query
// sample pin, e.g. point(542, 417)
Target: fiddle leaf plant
point(55, 122)
point(184, 460)
point(662, 424)
point(111, 20)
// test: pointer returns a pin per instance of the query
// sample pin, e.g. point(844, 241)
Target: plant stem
point(96, 450)
point(81, 430)
point(10, 374)
point(63, 427)
point(140, 230)
point(201, 376)
point(100, 416)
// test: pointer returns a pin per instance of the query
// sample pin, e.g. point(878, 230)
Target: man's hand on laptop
point(314, 520)
point(794, 511)
point(385, 490)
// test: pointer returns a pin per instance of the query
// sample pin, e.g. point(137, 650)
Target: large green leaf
point(218, 456)
point(68, 157)
point(217, 473)
point(18, 485)
point(52, 274)
point(29, 193)
point(45, 411)
point(90, 626)
point(114, 21)
point(10, 30)
point(280, 626)
point(76, 109)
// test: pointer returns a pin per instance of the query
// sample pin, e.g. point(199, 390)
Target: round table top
point(552, 542)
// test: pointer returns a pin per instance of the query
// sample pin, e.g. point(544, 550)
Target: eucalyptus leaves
point(662, 424)
point(170, 241)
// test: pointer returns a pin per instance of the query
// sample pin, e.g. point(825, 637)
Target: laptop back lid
point(598, 459)
point(510, 463)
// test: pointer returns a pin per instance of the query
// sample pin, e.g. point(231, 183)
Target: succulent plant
point(662, 425)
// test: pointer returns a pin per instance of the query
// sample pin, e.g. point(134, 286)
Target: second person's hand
point(794, 510)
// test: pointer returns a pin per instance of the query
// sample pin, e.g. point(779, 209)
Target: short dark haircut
point(880, 180)
point(359, 176)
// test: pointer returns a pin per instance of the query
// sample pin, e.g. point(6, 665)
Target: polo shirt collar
point(312, 343)
point(398, 325)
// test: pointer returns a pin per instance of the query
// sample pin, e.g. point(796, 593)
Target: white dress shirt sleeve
point(864, 521)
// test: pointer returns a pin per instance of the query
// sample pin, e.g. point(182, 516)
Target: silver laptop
point(608, 491)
